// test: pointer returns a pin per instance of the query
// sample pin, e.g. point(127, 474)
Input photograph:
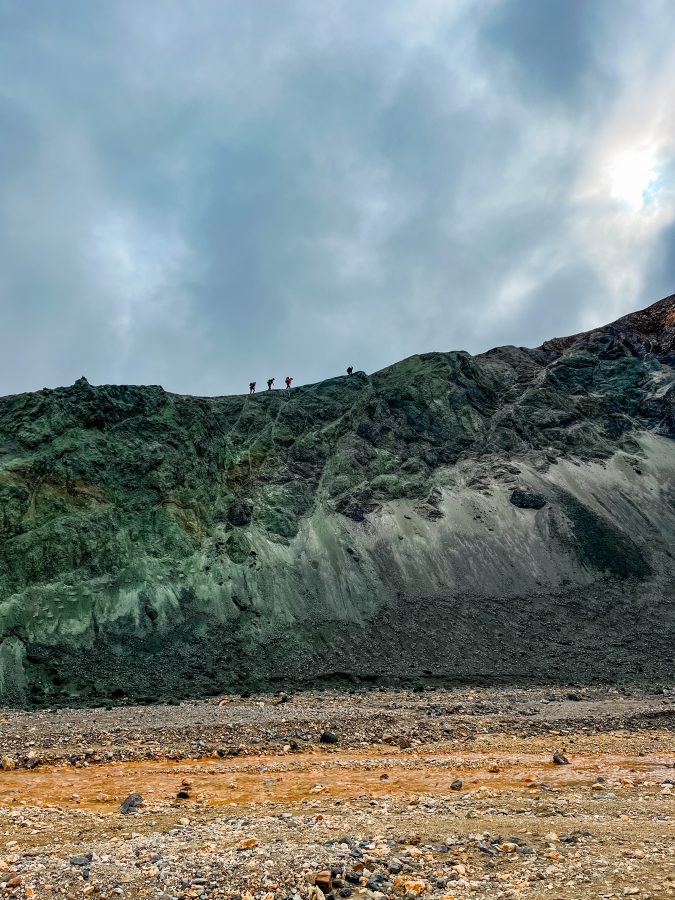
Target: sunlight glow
point(631, 177)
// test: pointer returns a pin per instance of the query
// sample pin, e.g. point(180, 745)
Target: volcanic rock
point(357, 531)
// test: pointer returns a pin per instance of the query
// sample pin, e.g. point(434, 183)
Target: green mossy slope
point(157, 545)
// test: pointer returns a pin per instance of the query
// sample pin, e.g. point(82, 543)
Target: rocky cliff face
point(503, 517)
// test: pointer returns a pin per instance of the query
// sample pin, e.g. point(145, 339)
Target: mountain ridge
point(284, 538)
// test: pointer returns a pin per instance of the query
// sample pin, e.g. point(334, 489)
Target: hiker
point(350, 369)
point(288, 382)
point(270, 382)
point(251, 387)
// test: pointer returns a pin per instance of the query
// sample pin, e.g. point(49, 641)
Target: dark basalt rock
point(130, 804)
point(347, 507)
point(524, 499)
point(430, 512)
point(240, 513)
point(358, 507)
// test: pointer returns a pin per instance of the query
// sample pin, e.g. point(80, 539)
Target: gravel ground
point(448, 794)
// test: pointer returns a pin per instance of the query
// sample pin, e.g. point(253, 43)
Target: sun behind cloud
point(633, 176)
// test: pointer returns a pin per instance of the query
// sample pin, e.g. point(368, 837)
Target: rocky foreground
point(559, 794)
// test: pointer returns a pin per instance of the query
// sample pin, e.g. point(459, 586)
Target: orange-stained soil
point(302, 776)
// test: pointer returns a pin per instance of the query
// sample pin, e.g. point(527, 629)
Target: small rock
point(456, 785)
point(525, 499)
point(324, 881)
point(240, 513)
point(8, 763)
point(486, 848)
point(560, 759)
point(328, 737)
point(247, 844)
point(130, 803)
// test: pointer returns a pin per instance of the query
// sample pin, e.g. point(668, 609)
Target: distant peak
point(654, 321)
point(655, 324)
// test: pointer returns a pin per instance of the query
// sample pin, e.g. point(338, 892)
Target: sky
point(201, 193)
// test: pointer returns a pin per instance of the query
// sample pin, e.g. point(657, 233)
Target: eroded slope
point(159, 545)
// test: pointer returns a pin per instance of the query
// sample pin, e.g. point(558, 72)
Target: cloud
point(204, 193)
point(548, 45)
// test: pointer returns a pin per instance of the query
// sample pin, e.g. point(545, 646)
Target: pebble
point(324, 880)
point(131, 803)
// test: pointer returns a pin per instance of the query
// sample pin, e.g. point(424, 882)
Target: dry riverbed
point(439, 794)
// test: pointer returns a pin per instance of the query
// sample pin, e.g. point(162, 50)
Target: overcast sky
point(204, 192)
